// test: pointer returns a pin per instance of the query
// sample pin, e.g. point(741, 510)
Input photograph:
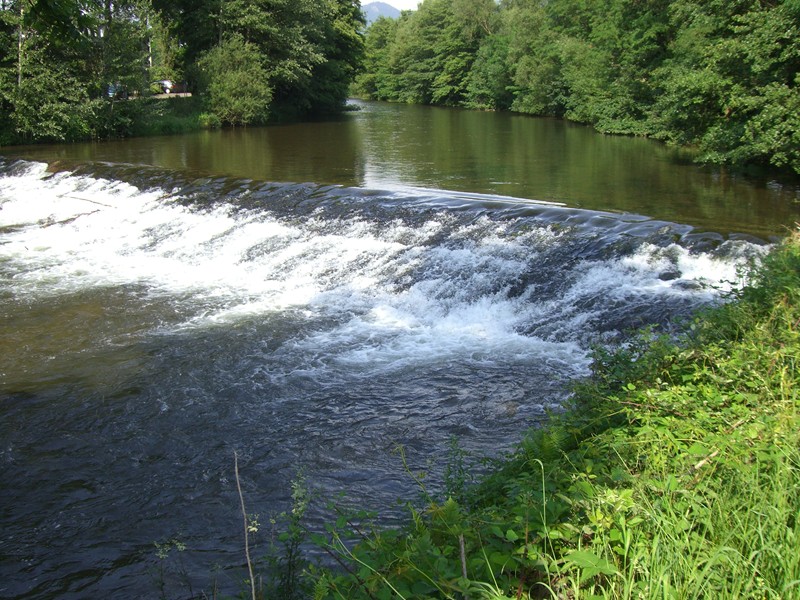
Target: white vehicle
point(165, 84)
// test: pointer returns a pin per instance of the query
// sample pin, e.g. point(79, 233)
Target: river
point(313, 296)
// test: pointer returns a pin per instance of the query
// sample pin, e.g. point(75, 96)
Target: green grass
point(166, 116)
point(675, 473)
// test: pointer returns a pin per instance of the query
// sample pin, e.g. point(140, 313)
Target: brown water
point(386, 146)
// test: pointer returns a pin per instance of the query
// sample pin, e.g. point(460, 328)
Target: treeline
point(66, 64)
point(721, 75)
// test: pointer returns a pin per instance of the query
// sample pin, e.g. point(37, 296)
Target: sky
point(399, 4)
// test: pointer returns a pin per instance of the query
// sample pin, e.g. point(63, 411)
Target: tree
point(310, 49)
point(769, 40)
point(236, 82)
point(122, 41)
point(535, 59)
point(284, 32)
point(717, 74)
point(427, 56)
point(343, 48)
point(376, 80)
point(489, 84)
point(63, 62)
point(194, 23)
point(44, 88)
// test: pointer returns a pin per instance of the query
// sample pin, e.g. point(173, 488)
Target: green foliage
point(489, 79)
point(168, 55)
point(50, 103)
point(718, 75)
point(310, 50)
point(195, 23)
point(376, 80)
point(536, 62)
point(426, 56)
point(343, 48)
point(209, 121)
point(459, 475)
point(236, 82)
point(68, 67)
point(154, 116)
point(170, 567)
point(283, 32)
point(123, 54)
point(286, 564)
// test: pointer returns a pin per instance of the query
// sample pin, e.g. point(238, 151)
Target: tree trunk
point(149, 39)
point(20, 43)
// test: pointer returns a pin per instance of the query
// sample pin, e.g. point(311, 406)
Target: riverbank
point(674, 473)
point(153, 115)
point(166, 115)
point(107, 119)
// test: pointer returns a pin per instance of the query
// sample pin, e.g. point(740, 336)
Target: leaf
point(499, 559)
point(421, 589)
point(590, 564)
point(698, 449)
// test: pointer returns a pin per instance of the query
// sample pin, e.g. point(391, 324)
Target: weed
point(168, 568)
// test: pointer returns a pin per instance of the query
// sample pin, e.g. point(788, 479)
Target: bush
point(236, 82)
point(209, 121)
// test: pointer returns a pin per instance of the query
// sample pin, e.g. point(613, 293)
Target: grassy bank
point(152, 116)
point(674, 474)
point(103, 118)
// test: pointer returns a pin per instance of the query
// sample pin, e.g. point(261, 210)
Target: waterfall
point(153, 322)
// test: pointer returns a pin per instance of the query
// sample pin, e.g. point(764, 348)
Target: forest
point(721, 76)
point(68, 67)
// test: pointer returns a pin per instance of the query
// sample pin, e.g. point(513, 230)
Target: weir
point(153, 322)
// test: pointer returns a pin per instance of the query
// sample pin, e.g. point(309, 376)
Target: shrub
point(236, 82)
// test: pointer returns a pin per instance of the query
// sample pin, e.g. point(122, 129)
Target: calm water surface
point(166, 302)
point(386, 146)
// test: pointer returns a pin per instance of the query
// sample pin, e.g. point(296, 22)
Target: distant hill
point(374, 10)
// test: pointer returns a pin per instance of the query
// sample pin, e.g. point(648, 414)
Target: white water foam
point(390, 294)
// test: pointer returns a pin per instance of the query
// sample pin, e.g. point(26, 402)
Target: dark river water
point(311, 297)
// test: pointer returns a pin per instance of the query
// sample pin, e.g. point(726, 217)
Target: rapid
point(154, 322)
